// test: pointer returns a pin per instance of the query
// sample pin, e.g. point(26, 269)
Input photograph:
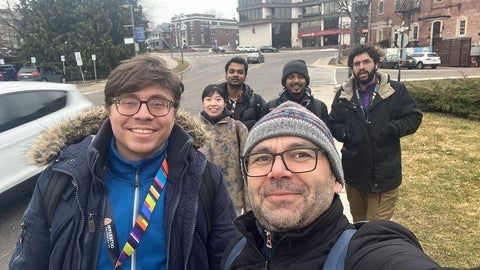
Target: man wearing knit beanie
point(295, 81)
point(293, 175)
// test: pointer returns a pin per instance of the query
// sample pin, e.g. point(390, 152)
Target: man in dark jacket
point(243, 103)
point(143, 168)
point(294, 175)
point(369, 114)
point(295, 81)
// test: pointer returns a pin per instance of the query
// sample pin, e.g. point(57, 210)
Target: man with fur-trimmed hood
point(134, 198)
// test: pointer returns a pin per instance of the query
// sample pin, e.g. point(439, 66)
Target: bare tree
point(361, 16)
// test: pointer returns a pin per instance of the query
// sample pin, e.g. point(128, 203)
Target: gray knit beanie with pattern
point(292, 119)
point(295, 66)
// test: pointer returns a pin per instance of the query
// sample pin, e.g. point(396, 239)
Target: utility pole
point(180, 36)
point(352, 31)
point(132, 19)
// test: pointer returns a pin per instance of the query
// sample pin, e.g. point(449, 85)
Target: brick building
point(204, 31)
point(425, 23)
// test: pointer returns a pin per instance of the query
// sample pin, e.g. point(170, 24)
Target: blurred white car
point(426, 59)
point(26, 108)
point(246, 48)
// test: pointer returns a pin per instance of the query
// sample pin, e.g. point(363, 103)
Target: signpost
point(78, 58)
point(403, 44)
point(94, 57)
point(62, 58)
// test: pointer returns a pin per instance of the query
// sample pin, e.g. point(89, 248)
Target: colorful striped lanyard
point(143, 218)
point(233, 106)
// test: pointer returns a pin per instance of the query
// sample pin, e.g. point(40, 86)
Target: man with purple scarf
point(369, 115)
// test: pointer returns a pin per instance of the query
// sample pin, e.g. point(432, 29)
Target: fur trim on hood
point(51, 140)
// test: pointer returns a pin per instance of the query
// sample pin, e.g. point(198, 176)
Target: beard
point(287, 215)
point(365, 80)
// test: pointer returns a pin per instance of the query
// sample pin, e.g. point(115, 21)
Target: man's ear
point(338, 187)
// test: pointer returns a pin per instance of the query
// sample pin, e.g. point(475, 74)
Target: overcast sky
point(161, 11)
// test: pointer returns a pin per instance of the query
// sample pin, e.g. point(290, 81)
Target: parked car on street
point(256, 57)
point(26, 108)
point(218, 50)
point(391, 61)
point(41, 74)
point(409, 62)
point(267, 49)
point(8, 73)
point(246, 48)
point(427, 59)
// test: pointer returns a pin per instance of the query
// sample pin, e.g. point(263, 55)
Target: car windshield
point(28, 69)
point(6, 68)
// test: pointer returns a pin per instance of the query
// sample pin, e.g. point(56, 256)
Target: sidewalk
point(326, 93)
point(100, 84)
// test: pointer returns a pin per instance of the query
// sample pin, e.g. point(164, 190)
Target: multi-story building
point(293, 23)
point(203, 31)
point(449, 27)
point(425, 22)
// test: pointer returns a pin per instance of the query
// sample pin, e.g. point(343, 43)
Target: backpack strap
point(233, 254)
point(256, 103)
point(207, 195)
point(336, 256)
point(55, 187)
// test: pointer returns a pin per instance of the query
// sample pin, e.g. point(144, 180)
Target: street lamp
point(127, 3)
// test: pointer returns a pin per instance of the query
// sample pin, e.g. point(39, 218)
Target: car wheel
point(44, 79)
point(395, 66)
point(420, 65)
point(434, 67)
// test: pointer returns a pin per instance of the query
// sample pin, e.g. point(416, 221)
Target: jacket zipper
point(82, 223)
point(135, 213)
point(268, 244)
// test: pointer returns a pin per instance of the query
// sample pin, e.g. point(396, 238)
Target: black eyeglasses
point(129, 106)
point(298, 160)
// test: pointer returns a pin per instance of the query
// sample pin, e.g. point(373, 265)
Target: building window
point(379, 35)
point(436, 29)
point(462, 26)
point(398, 5)
point(331, 8)
point(415, 29)
point(381, 6)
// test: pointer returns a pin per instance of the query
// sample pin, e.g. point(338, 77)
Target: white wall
point(262, 35)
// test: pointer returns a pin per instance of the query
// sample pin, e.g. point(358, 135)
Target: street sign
point(2, 62)
point(33, 60)
point(94, 57)
point(78, 58)
point(62, 58)
point(139, 34)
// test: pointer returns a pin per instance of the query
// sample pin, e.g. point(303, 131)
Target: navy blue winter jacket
point(73, 241)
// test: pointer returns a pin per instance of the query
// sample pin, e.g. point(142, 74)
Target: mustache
point(282, 185)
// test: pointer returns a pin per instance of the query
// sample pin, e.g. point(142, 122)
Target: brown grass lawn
point(440, 195)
